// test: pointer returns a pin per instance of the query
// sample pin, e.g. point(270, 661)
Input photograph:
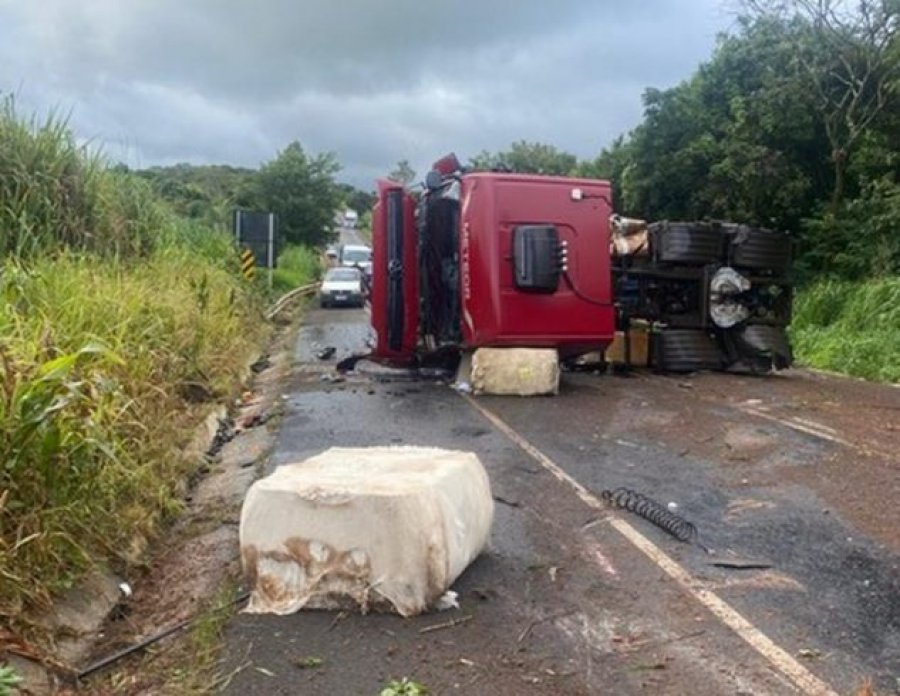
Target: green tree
point(847, 56)
point(527, 158)
point(738, 140)
point(356, 199)
point(612, 164)
point(301, 190)
point(403, 173)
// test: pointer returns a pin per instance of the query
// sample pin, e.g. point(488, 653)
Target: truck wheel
point(758, 348)
point(761, 250)
point(689, 243)
point(686, 350)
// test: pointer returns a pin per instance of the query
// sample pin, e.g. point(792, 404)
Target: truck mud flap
point(688, 243)
point(686, 350)
point(395, 269)
point(760, 250)
point(758, 349)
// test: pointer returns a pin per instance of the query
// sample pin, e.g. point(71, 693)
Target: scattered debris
point(340, 616)
point(511, 503)
point(263, 670)
point(125, 589)
point(809, 653)
point(740, 564)
point(446, 624)
point(447, 601)
point(653, 512)
point(332, 378)
point(326, 353)
point(308, 662)
point(147, 642)
point(252, 420)
point(404, 687)
point(224, 434)
point(261, 365)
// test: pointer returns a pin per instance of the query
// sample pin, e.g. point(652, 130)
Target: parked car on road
point(342, 286)
point(357, 256)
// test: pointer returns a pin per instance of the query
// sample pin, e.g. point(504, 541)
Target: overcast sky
point(375, 81)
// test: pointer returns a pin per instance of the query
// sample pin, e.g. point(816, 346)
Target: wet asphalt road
point(561, 603)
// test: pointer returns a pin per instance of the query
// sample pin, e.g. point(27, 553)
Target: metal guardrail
point(287, 298)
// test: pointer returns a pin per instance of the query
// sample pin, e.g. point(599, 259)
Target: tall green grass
point(55, 192)
point(116, 317)
point(99, 364)
point(297, 265)
point(853, 328)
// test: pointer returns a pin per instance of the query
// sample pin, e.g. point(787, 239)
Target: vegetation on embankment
point(120, 320)
point(297, 265)
point(852, 328)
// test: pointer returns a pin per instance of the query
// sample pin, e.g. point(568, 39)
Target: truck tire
point(689, 243)
point(758, 348)
point(760, 250)
point(686, 350)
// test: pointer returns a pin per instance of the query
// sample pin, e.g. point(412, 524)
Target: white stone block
point(515, 371)
point(380, 527)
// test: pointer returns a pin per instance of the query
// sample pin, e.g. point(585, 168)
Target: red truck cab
point(491, 259)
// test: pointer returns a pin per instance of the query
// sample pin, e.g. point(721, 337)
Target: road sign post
point(256, 235)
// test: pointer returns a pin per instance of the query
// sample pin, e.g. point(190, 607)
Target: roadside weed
point(404, 687)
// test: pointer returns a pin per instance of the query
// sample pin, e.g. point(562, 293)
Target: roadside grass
point(118, 322)
point(204, 646)
point(852, 328)
point(102, 366)
point(297, 265)
point(54, 191)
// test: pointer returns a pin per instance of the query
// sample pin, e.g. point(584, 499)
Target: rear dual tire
point(749, 349)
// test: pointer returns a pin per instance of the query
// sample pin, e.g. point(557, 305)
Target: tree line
point(299, 187)
point(793, 124)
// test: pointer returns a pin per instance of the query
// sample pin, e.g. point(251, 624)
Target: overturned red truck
point(494, 259)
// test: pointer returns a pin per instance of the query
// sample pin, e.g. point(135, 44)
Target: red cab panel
point(394, 300)
point(577, 314)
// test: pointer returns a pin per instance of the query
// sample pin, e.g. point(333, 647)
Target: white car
point(357, 256)
point(342, 286)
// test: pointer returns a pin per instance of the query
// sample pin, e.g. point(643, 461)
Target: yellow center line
point(779, 658)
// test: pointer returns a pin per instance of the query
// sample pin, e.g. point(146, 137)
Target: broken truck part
point(386, 528)
point(500, 260)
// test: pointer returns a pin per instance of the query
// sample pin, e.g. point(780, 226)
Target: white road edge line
point(800, 427)
point(779, 658)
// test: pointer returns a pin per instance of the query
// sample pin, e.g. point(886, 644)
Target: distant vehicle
point(357, 256)
point(342, 286)
point(332, 253)
point(351, 218)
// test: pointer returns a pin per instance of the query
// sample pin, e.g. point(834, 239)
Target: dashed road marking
point(779, 658)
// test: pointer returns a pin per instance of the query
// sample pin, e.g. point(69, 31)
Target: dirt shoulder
point(194, 573)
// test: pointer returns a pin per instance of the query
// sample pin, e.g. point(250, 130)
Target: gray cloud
point(161, 81)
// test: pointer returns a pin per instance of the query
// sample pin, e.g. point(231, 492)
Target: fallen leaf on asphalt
point(309, 662)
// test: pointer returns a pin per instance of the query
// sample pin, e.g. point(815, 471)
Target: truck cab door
point(395, 298)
